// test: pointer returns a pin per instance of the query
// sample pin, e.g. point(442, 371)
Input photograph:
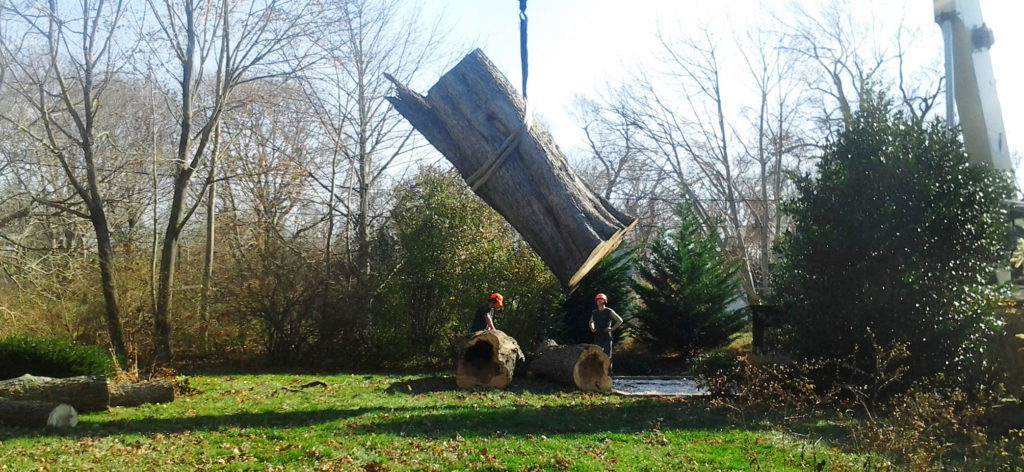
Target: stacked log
point(138, 393)
point(84, 393)
point(584, 366)
point(487, 359)
point(37, 414)
point(473, 116)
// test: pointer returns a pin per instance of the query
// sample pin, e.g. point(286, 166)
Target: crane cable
point(522, 43)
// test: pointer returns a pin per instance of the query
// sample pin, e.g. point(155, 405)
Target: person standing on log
point(603, 321)
point(484, 317)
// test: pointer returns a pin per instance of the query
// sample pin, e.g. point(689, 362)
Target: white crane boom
point(970, 83)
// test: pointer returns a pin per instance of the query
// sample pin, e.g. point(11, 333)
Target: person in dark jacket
point(603, 321)
point(484, 317)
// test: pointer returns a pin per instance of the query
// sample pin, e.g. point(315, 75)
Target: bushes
point(454, 251)
point(896, 235)
point(50, 357)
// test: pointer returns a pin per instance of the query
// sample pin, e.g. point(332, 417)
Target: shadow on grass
point(480, 420)
point(290, 419)
point(446, 383)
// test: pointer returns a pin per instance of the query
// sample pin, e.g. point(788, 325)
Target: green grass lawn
point(419, 422)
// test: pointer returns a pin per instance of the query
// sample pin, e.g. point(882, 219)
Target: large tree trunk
point(107, 281)
point(36, 414)
point(85, 393)
point(473, 116)
point(584, 366)
point(135, 394)
point(487, 359)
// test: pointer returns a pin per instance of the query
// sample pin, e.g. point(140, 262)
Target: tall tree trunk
point(108, 282)
point(204, 295)
point(168, 260)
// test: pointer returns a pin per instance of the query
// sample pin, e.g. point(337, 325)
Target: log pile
point(487, 359)
point(37, 414)
point(584, 366)
point(474, 117)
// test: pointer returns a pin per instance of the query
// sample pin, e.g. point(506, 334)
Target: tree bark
point(487, 359)
point(37, 414)
point(584, 366)
point(472, 115)
point(84, 393)
point(135, 394)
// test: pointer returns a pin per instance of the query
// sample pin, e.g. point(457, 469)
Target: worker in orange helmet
point(603, 321)
point(484, 317)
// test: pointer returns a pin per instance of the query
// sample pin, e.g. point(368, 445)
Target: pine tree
point(612, 277)
point(686, 285)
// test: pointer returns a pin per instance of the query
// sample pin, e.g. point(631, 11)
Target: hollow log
point(474, 117)
point(584, 366)
point(84, 393)
point(37, 414)
point(138, 393)
point(487, 359)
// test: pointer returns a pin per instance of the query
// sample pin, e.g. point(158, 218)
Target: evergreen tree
point(612, 277)
point(893, 241)
point(686, 285)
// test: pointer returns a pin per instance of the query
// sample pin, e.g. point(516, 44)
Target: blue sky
point(577, 46)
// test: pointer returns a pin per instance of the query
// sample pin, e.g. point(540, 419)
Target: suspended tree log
point(474, 117)
point(487, 359)
point(84, 393)
point(138, 393)
point(584, 366)
point(37, 414)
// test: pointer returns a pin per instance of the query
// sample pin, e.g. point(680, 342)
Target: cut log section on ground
point(584, 366)
point(487, 359)
point(37, 414)
point(138, 393)
point(84, 393)
point(475, 118)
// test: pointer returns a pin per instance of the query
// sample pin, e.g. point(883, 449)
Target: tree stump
point(84, 393)
point(487, 359)
point(138, 393)
point(37, 414)
point(584, 366)
point(474, 117)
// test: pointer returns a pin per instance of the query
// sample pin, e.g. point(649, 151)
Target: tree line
point(195, 178)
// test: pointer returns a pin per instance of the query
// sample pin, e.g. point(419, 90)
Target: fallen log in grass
point(584, 366)
point(487, 359)
point(37, 414)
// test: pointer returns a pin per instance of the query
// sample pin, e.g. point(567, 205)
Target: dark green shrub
point(51, 357)
point(896, 235)
point(612, 277)
point(686, 285)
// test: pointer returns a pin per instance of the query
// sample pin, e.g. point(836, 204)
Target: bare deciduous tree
point(59, 69)
point(239, 42)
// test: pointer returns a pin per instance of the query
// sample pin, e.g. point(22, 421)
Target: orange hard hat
point(497, 299)
point(601, 297)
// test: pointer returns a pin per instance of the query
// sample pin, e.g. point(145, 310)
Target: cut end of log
point(64, 416)
point(591, 371)
point(488, 360)
point(598, 254)
point(584, 366)
point(478, 363)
